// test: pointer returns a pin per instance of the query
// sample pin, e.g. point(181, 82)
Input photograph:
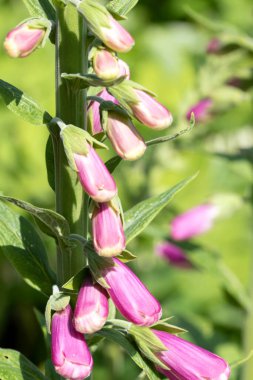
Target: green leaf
point(40, 8)
point(50, 163)
point(23, 247)
point(142, 214)
point(53, 224)
point(126, 256)
point(120, 338)
point(15, 366)
point(113, 163)
point(22, 105)
point(97, 264)
point(163, 326)
point(75, 282)
point(121, 7)
point(81, 82)
point(147, 337)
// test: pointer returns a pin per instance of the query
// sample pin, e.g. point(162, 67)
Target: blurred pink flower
point(173, 254)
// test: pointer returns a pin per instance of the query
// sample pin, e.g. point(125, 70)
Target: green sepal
point(56, 302)
point(75, 282)
point(40, 23)
point(120, 8)
point(113, 163)
point(83, 81)
point(40, 8)
point(97, 264)
point(162, 325)
point(96, 15)
point(126, 256)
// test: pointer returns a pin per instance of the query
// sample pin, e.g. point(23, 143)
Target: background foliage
point(168, 58)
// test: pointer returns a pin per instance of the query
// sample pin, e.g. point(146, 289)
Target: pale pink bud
point(92, 307)
point(200, 110)
point(23, 40)
point(194, 222)
point(173, 254)
point(130, 295)
point(107, 230)
point(150, 112)
point(125, 139)
point(95, 177)
point(70, 354)
point(124, 69)
point(214, 46)
point(105, 65)
point(187, 361)
point(116, 37)
point(93, 111)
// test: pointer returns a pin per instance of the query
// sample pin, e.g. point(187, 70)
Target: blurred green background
point(169, 58)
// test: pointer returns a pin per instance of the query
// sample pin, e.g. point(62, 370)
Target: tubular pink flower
point(23, 40)
point(130, 295)
point(200, 110)
point(125, 139)
point(92, 307)
point(116, 37)
point(105, 65)
point(173, 254)
point(107, 230)
point(194, 222)
point(150, 112)
point(93, 111)
point(124, 69)
point(188, 361)
point(70, 354)
point(95, 177)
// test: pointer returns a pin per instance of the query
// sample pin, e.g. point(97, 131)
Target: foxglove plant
point(83, 182)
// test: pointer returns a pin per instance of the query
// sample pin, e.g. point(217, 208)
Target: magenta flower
point(107, 230)
point(194, 222)
point(116, 37)
point(130, 295)
point(189, 362)
point(125, 139)
point(200, 110)
point(23, 40)
point(93, 111)
point(173, 254)
point(92, 307)
point(70, 354)
point(105, 65)
point(124, 69)
point(95, 177)
point(150, 112)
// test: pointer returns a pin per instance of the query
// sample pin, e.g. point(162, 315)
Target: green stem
point(71, 57)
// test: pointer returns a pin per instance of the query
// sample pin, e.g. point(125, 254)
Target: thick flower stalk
point(194, 222)
point(92, 308)
point(107, 230)
point(173, 254)
point(95, 178)
point(70, 354)
point(189, 362)
point(23, 40)
point(130, 295)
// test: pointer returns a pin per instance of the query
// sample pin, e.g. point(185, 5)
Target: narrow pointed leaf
point(80, 82)
point(142, 214)
point(40, 8)
point(23, 247)
point(113, 163)
point(22, 105)
point(121, 7)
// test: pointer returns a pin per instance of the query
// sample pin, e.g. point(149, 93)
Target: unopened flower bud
point(92, 307)
point(186, 361)
point(194, 222)
point(107, 230)
point(105, 65)
point(214, 46)
point(95, 177)
point(130, 295)
point(173, 254)
point(124, 69)
point(200, 110)
point(116, 37)
point(23, 40)
point(150, 112)
point(70, 354)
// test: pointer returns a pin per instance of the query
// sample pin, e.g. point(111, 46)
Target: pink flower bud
point(188, 361)
point(173, 254)
point(91, 309)
point(124, 69)
point(107, 230)
point(70, 354)
point(95, 177)
point(105, 65)
point(214, 46)
point(23, 40)
point(194, 222)
point(116, 37)
point(93, 111)
point(200, 110)
point(130, 295)
point(150, 112)
point(125, 139)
